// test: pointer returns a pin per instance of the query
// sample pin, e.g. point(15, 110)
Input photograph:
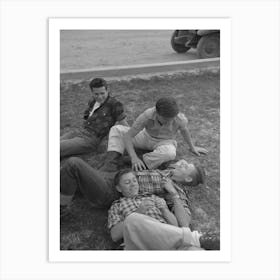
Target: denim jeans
point(74, 143)
point(97, 186)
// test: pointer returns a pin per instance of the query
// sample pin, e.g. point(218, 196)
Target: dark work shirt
point(104, 117)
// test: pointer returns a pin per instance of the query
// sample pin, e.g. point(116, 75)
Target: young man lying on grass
point(154, 130)
point(102, 113)
point(144, 221)
point(97, 185)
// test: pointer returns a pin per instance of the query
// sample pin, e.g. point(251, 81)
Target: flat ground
point(199, 99)
point(87, 49)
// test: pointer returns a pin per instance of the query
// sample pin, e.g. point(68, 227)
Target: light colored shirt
point(95, 106)
point(148, 121)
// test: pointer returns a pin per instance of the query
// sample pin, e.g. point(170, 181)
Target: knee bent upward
point(132, 221)
point(117, 129)
point(73, 162)
point(168, 155)
point(171, 155)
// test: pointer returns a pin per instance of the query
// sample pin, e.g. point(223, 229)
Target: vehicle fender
point(203, 32)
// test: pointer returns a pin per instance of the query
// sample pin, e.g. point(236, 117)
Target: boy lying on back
point(144, 221)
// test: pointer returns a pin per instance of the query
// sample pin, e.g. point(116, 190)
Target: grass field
point(198, 96)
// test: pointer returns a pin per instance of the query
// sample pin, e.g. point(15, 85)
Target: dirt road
point(86, 49)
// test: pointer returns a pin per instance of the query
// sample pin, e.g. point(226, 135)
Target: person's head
point(167, 109)
point(187, 173)
point(99, 89)
point(126, 183)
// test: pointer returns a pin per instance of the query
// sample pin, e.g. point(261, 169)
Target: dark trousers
point(72, 144)
point(97, 186)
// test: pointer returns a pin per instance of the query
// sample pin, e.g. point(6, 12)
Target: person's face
point(100, 94)
point(128, 185)
point(182, 173)
point(163, 120)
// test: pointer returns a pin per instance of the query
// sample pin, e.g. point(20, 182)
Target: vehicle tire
point(209, 46)
point(178, 47)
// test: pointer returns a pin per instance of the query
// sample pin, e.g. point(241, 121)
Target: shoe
point(210, 240)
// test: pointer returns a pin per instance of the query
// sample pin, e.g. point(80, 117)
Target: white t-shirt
point(95, 106)
point(148, 121)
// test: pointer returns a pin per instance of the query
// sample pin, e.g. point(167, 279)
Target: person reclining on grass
point(102, 113)
point(153, 130)
point(97, 185)
point(144, 221)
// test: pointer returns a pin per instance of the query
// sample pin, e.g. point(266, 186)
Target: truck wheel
point(179, 48)
point(209, 46)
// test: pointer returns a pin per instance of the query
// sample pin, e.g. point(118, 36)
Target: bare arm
point(169, 216)
point(187, 137)
point(137, 163)
point(128, 142)
point(181, 215)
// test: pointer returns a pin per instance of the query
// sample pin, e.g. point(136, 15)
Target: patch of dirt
point(88, 49)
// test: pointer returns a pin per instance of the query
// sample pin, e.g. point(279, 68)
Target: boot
point(111, 162)
point(210, 241)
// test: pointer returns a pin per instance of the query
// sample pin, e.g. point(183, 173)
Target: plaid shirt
point(150, 181)
point(123, 207)
point(104, 117)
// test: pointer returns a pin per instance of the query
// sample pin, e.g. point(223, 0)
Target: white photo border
point(57, 24)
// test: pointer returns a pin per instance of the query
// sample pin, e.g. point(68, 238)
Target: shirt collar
point(165, 173)
point(106, 100)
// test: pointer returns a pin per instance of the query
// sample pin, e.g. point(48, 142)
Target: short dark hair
point(167, 107)
point(97, 83)
point(119, 175)
point(198, 177)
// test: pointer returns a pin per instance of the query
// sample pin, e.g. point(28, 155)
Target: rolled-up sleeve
point(141, 121)
point(182, 120)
